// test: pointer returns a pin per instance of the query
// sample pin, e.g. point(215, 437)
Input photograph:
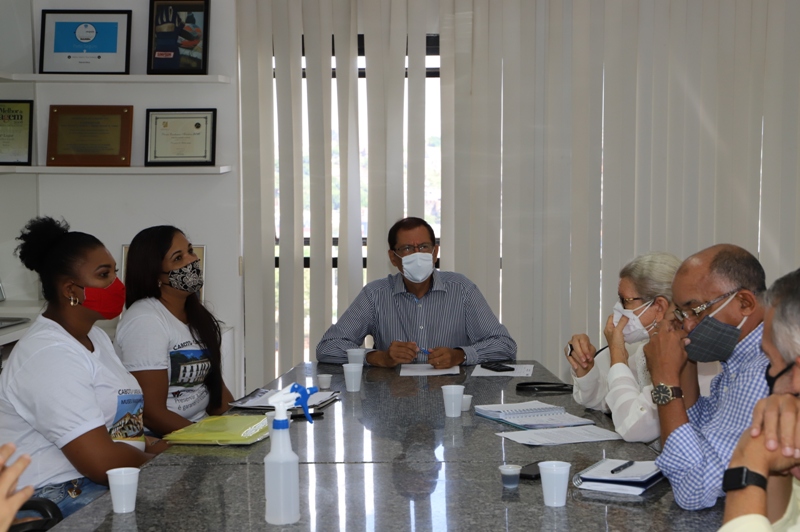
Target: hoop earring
point(73, 301)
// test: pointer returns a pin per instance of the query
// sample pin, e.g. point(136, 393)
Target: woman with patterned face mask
point(166, 338)
point(617, 381)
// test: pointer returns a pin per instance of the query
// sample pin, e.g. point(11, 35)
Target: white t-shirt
point(149, 337)
point(54, 390)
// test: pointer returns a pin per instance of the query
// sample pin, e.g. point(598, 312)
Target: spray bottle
point(281, 465)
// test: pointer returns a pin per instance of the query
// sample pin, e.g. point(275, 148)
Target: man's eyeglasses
point(408, 250)
point(698, 310)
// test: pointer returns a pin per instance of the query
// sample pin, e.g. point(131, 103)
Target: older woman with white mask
point(612, 379)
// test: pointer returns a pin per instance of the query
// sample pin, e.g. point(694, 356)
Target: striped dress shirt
point(696, 454)
point(452, 314)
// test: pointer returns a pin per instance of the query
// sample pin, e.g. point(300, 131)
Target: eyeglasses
point(408, 250)
point(697, 311)
point(623, 300)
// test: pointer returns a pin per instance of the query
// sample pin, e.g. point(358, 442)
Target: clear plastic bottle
point(282, 477)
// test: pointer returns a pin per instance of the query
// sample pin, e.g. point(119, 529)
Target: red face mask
point(107, 301)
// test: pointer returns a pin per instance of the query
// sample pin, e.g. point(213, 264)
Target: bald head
point(726, 266)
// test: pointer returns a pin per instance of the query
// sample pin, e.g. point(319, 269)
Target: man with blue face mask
point(420, 314)
point(718, 317)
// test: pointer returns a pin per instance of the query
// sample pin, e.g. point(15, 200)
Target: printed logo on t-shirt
point(129, 420)
point(189, 366)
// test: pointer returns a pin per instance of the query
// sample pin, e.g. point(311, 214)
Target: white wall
point(115, 207)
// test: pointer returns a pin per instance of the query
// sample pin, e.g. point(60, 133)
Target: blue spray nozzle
point(302, 399)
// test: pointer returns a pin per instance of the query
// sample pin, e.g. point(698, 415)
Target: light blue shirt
point(697, 453)
point(452, 314)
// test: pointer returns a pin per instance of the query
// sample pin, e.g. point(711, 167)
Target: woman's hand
point(616, 340)
point(581, 355)
point(10, 498)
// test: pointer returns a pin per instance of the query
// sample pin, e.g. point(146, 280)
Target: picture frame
point(199, 250)
point(180, 137)
point(82, 41)
point(90, 135)
point(16, 132)
point(177, 38)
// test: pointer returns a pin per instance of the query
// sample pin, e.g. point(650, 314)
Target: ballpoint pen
point(622, 467)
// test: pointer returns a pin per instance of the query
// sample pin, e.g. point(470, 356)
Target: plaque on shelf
point(16, 132)
point(90, 135)
point(85, 42)
point(180, 137)
point(177, 40)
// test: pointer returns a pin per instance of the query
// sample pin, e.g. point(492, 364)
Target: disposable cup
point(510, 475)
point(352, 376)
point(356, 356)
point(123, 482)
point(555, 479)
point(324, 381)
point(466, 402)
point(452, 399)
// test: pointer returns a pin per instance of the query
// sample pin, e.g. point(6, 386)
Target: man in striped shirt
point(420, 314)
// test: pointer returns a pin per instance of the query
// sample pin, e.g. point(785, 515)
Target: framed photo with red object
point(178, 37)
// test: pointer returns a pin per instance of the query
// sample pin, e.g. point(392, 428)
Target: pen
point(622, 467)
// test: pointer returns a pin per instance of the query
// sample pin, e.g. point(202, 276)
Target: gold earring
point(73, 301)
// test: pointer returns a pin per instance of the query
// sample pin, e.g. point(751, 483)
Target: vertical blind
point(576, 134)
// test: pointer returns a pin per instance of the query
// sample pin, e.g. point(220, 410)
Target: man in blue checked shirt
point(718, 318)
point(420, 314)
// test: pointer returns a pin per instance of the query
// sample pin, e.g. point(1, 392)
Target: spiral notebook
point(531, 415)
point(633, 480)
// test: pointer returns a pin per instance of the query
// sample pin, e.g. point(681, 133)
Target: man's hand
point(444, 357)
point(777, 417)
point(582, 357)
point(666, 353)
point(10, 498)
point(398, 353)
point(616, 340)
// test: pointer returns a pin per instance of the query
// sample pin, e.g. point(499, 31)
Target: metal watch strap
point(738, 478)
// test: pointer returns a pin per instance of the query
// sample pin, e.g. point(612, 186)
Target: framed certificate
point(16, 132)
point(85, 42)
point(90, 135)
point(177, 40)
point(180, 137)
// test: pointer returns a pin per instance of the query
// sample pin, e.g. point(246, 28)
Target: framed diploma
point(177, 40)
point(90, 135)
point(16, 132)
point(85, 42)
point(181, 137)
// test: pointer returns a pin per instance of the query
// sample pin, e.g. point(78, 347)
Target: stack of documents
point(258, 399)
point(632, 480)
point(560, 436)
point(531, 415)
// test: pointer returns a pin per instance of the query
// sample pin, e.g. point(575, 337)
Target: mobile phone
point(497, 366)
point(530, 471)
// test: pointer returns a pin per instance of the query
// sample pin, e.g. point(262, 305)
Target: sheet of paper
point(426, 370)
point(560, 436)
point(520, 370)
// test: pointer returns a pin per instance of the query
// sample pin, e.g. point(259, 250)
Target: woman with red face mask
point(65, 398)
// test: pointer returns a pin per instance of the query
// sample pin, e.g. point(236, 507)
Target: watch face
point(661, 394)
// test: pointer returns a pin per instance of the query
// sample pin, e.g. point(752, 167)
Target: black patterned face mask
point(189, 278)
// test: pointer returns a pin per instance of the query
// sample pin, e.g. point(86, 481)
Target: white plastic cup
point(555, 479)
point(123, 482)
point(510, 476)
point(356, 356)
point(452, 399)
point(324, 381)
point(352, 376)
point(466, 402)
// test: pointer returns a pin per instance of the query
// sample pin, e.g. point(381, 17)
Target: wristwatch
point(737, 478)
point(663, 394)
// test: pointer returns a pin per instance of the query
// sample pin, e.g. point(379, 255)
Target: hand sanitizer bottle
point(281, 465)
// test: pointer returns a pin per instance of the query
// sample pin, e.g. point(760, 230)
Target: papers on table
point(520, 370)
point(531, 415)
point(426, 370)
point(588, 433)
point(258, 399)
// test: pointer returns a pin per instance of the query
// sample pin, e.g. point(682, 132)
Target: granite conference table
point(387, 458)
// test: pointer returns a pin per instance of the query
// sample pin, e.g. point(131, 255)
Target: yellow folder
point(223, 430)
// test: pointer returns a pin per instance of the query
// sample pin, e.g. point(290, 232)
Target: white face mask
point(634, 331)
point(417, 267)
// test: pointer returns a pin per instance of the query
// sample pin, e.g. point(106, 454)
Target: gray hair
point(784, 297)
point(651, 274)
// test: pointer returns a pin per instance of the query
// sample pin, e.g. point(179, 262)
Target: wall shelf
point(113, 170)
point(111, 78)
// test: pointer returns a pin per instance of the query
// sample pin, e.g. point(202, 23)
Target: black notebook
point(633, 480)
